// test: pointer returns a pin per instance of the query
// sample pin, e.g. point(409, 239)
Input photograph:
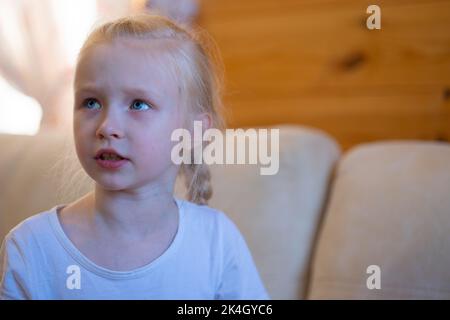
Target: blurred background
point(309, 62)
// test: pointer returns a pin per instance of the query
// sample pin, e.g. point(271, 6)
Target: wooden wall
point(315, 63)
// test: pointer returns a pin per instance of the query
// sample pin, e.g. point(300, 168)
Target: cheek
point(159, 133)
point(80, 128)
point(156, 146)
point(81, 148)
point(81, 134)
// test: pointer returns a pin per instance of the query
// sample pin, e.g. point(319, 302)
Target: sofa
point(321, 228)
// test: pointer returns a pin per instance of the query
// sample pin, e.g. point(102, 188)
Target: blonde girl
point(137, 79)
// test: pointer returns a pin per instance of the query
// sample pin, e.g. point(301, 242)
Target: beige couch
point(313, 229)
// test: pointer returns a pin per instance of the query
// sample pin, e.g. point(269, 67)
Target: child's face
point(110, 112)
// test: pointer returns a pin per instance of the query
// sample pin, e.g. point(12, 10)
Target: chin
point(110, 186)
point(112, 183)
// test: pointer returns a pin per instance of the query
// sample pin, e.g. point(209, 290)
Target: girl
point(137, 79)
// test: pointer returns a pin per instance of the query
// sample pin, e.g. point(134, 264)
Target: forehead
point(128, 63)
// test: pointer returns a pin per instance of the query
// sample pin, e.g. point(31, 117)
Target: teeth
point(108, 156)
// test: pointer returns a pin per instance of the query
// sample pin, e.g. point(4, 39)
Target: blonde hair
point(201, 74)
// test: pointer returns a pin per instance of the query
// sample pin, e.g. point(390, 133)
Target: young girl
point(137, 79)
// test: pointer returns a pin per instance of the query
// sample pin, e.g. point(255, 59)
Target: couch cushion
point(389, 207)
point(33, 171)
point(276, 214)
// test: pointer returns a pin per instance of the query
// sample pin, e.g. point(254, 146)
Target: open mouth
point(110, 157)
point(108, 160)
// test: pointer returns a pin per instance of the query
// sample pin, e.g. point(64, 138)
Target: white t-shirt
point(207, 259)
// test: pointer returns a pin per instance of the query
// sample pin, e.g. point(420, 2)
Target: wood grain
point(315, 63)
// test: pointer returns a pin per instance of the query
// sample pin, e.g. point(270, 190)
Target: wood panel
point(315, 63)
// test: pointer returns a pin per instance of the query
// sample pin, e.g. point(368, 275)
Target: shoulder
point(18, 254)
point(211, 223)
point(237, 275)
point(206, 216)
point(29, 230)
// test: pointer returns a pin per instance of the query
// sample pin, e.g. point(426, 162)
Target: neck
point(133, 213)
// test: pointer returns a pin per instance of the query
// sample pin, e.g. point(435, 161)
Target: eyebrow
point(127, 90)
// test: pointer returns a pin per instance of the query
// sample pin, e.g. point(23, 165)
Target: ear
point(206, 120)
point(206, 123)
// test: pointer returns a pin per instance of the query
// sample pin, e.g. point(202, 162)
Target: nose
point(110, 127)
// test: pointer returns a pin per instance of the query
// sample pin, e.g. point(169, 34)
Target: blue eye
point(90, 103)
point(138, 105)
point(93, 104)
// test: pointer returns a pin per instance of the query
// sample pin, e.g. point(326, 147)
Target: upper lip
point(108, 150)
